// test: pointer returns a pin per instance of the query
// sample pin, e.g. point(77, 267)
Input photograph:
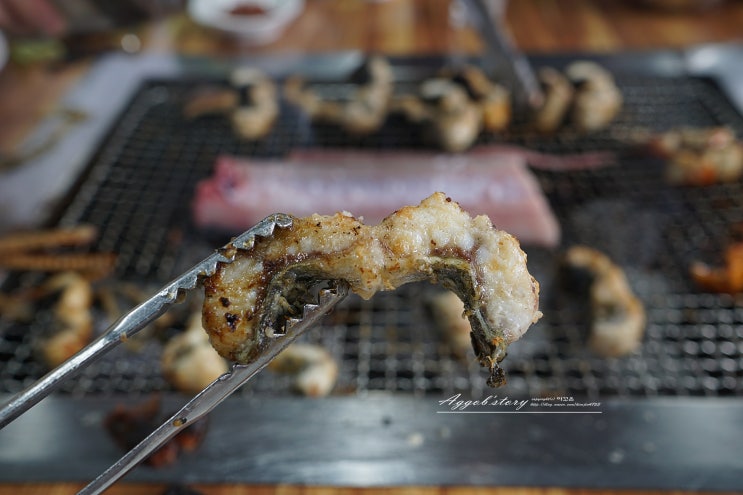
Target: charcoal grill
point(137, 186)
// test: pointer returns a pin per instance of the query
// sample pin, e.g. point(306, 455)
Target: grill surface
point(138, 187)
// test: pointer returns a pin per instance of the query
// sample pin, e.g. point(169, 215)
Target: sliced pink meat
point(373, 184)
point(553, 162)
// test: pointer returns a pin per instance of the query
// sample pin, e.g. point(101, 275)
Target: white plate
point(259, 28)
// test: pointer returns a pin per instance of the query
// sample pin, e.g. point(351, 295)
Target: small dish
point(254, 21)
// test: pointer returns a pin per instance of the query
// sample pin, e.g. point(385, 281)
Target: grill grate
point(138, 187)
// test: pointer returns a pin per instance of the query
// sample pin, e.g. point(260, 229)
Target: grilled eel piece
point(312, 368)
point(435, 241)
point(361, 114)
point(251, 102)
point(618, 315)
point(585, 96)
point(449, 117)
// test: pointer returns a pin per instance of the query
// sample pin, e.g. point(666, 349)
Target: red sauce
point(248, 10)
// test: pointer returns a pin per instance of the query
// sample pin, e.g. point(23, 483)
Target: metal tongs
point(216, 392)
point(503, 59)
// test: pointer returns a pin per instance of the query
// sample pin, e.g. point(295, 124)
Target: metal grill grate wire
point(139, 185)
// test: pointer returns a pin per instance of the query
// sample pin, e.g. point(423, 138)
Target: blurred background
point(41, 66)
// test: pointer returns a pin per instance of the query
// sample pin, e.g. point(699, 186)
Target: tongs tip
point(265, 228)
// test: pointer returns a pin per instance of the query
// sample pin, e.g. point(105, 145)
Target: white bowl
point(260, 28)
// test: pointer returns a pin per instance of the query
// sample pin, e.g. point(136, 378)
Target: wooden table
point(392, 27)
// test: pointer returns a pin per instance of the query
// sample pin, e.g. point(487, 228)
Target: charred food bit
point(313, 369)
point(364, 112)
point(618, 316)
point(727, 279)
point(189, 362)
point(700, 156)
point(128, 426)
point(435, 241)
point(597, 99)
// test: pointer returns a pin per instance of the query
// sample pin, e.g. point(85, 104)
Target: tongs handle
point(131, 323)
point(501, 56)
point(218, 390)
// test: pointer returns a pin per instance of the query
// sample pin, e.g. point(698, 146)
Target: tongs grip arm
point(138, 318)
point(124, 328)
point(217, 391)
